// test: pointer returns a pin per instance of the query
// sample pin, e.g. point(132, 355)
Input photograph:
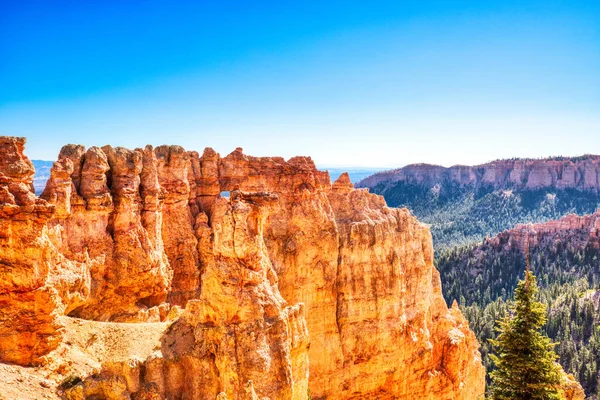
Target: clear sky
point(366, 83)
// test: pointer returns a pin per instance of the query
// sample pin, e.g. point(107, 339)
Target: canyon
point(161, 273)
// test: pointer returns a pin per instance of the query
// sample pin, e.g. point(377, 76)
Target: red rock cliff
point(131, 235)
point(28, 325)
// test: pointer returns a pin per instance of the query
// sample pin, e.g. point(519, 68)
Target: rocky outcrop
point(287, 260)
point(571, 389)
point(28, 325)
point(238, 336)
point(103, 224)
point(365, 274)
point(581, 173)
point(577, 231)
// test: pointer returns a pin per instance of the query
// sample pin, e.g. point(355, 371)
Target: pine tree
point(525, 359)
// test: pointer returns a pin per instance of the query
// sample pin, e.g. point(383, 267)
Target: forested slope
point(565, 256)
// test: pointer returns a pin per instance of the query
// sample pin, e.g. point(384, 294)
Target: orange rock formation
point(288, 274)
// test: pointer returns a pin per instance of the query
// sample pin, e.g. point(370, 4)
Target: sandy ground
point(86, 346)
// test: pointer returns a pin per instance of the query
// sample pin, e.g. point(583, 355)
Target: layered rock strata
point(28, 325)
point(132, 235)
point(575, 231)
point(581, 173)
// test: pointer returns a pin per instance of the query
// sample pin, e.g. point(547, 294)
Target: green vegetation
point(463, 214)
point(524, 358)
point(483, 277)
point(69, 382)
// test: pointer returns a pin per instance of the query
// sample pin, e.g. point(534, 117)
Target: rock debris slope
point(246, 293)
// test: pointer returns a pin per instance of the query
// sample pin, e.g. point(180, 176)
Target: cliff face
point(27, 304)
point(245, 283)
point(582, 173)
point(577, 231)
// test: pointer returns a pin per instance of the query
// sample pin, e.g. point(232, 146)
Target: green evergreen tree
point(525, 360)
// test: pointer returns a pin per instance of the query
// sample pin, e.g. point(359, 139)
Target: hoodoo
point(132, 277)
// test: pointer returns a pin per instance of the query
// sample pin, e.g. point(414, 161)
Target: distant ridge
point(466, 203)
point(581, 172)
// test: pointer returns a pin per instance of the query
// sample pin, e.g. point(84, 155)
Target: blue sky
point(367, 83)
